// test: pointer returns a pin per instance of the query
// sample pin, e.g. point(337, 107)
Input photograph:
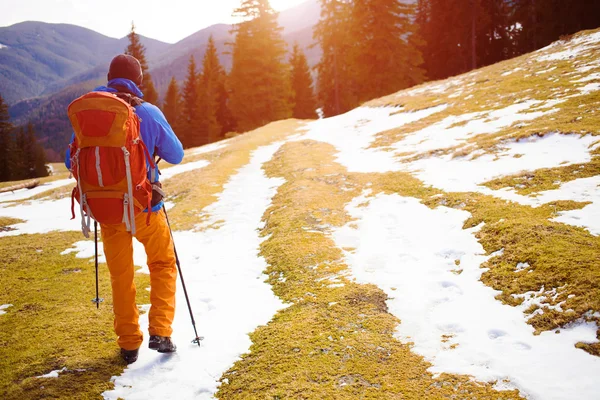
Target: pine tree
point(224, 115)
point(210, 82)
point(259, 79)
point(447, 28)
point(385, 57)
point(19, 165)
point(305, 104)
point(336, 82)
point(172, 105)
point(138, 50)
point(29, 151)
point(5, 142)
point(190, 116)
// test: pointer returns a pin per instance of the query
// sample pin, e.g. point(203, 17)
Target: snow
point(4, 307)
point(352, 134)
point(210, 147)
point(41, 217)
point(589, 88)
point(507, 73)
point(545, 71)
point(53, 374)
point(181, 168)
point(23, 194)
point(455, 130)
point(582, 190)
point(402, 244)
point(463, 174)
point(590, 77)
point(227, 290)
point(572, 49)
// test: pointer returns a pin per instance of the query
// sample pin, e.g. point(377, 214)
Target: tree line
point(21, 156)
point(370, 48)
point(461, 35)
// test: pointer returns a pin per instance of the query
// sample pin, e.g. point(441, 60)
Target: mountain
point(78, 58)
point(37, 57)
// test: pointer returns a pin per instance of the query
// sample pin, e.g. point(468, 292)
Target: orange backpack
point(108, 160)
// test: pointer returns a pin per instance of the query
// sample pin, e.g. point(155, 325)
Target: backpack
point(108, 160)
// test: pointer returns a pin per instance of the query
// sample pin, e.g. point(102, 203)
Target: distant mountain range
point(39, 59)
point(36, 56)
point(43, 67)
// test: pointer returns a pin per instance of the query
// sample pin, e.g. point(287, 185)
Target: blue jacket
point(157, 134)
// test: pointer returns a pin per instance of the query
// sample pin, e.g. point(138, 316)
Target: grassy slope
point(50, 328)
point(333, 341)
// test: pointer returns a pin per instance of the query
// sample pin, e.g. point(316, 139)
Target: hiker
point(133, 206)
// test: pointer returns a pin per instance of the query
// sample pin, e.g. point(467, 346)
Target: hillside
point(441, 242)
point(35, 55)
point(42, 98)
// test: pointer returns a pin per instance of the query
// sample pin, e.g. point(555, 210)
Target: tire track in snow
point(224, 275)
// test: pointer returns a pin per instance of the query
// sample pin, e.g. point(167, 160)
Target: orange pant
point(118, 248)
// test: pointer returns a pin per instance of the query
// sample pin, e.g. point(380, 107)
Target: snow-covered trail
point(410, 251)
point(227, 289)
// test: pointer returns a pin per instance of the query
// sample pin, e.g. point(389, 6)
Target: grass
point(6, 222)
point(194, 190)
point(331, 342)
point(50, 328)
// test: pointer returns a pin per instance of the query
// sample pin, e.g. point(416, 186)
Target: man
point(124, 77)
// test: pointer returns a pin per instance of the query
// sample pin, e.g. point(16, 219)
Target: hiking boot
point(130, 356)
point(162, 344)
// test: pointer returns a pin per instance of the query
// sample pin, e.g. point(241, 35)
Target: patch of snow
point(212, 273)
point(522, 266)
point(181, 168)
point(53, 374)
point(352, 134)
point(4, 307)
point(581, 190)
point(589, 88)
point(41, 217)
point(590, 77)
point(568, 54)
point(402, 244)
point(23, 194)
point(507, 73)
point(570, 49)
point(454, 130)
point(465, 174)
point(545, 71)
point(210, 147)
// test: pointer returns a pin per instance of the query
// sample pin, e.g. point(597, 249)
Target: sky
point(166, 20)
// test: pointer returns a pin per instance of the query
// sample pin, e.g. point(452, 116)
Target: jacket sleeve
point(68, 153)
point(167, 145)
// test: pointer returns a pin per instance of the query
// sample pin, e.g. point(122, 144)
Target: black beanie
point(128, 67)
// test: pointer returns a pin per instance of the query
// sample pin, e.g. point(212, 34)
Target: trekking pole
point(97, 300)
point(187, 299)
